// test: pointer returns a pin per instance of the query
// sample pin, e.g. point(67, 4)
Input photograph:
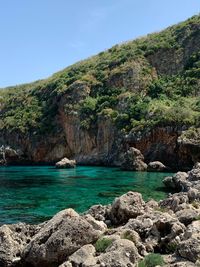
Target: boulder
point(99, 212)
point(85, 257)
point(127, 206)
point(193, 230)
point(175, 202)
point(177, 181)
point(121, 253)
point(156, 229)
point(66, 163)
point(194, 174)
point(133, 160)
point(190, 249)
point(168, 182)
point(156, 166)
point(186, 216)
point(60, 237)
point(193, 194)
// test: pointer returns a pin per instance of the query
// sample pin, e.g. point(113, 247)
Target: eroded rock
point(133, 160)
point(156, 166)
point(65, 233)
point(127, 206)
point(65, 163)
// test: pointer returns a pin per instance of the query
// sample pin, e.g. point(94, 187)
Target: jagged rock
point(13, 239)
point(194, 174)
point(174, 260)
point(99, 212)
point(156, 166)
point(168, 182)
point(97, 225)
point(66, 163)
point(84, 257)
point(156, 229)
point(186, 216)
point(133, 160)
point(177, 181)
point(193, 230)
point(121, 253)
point(65, 233)
point(190, 249)
point(175, 202)
point(127, 206)
point(193, 194)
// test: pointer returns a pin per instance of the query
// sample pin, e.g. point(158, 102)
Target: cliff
point(143, 93)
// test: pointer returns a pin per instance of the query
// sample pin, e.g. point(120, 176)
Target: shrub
point(129, 235)
point(102, 244)
point(152, 260)
point(171, 247)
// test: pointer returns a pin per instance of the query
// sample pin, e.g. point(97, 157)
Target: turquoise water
point(34, 194)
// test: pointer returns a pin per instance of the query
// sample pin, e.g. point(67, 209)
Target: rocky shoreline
point(117, 235)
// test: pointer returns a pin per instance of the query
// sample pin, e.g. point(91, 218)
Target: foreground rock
point(133, 160)
point(66, 163)
point(13, 239)
point(65, 233)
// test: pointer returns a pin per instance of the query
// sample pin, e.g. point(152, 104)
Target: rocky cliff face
point(142, 94)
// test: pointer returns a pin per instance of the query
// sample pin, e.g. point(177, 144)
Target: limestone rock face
point(156, 166)
point(127, 206)
point(65, 233)
point(65, 163)
point(133, 160)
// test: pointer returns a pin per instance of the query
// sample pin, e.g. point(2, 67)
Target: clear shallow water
point(34, 194)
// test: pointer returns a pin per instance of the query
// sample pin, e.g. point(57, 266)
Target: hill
point(143, 93)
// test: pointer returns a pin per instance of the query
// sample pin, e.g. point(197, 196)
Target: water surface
point(34, 194)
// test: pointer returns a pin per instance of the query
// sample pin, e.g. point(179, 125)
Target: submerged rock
point(65, 163)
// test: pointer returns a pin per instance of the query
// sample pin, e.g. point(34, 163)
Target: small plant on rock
point(171, 247)
point(128, 235)
point(102, 244)
point(152, 260)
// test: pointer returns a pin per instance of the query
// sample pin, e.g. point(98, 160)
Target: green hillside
point(154, 80)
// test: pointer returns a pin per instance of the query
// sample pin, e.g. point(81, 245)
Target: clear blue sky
point(40, 37)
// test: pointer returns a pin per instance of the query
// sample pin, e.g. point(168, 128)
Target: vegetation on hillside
point(134, 84)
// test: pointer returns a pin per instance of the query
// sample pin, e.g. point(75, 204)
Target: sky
point(40, 37)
